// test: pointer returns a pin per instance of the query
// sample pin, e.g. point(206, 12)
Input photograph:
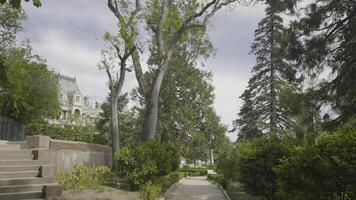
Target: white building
point(76, 109)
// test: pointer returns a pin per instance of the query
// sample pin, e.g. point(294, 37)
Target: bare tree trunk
point(115, 90)
point(152, 99)
point(115, 125)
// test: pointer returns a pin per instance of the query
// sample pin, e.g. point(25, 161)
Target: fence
point(11, 130)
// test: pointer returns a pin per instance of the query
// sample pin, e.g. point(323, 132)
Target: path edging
point(221, 188)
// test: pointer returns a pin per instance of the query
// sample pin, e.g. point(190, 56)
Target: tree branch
point(138, 72)
point(114, 8)
point(107, 69)
point(160, 28)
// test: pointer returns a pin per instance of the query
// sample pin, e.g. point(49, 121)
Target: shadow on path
point(196, 188)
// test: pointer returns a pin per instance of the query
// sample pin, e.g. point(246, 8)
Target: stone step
point(15, 154)
point(19, 174)
point(34, 199)
point(23, 162)
point(10, 146)
point(22, 195)
point(26, 181)
point(21, 188)
point(14, 168)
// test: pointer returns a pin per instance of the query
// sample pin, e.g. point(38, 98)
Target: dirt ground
point(102, 194)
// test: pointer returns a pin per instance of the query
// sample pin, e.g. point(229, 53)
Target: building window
point(77, 98)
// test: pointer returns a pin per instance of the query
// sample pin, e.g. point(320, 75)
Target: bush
point(278, 169)
point(256, 161)
point(66, 133)
point(84, 177)
point(194, 171)
point(142, 163)
point(149, 191)
point(325, 170)
point(219, 179)
point(152, 189)
point(166, 181)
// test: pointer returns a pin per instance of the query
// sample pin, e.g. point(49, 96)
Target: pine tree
point(327, 39)
point(272, 73)
point(246, 123)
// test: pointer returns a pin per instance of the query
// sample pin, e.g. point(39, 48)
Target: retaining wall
point(66, 154)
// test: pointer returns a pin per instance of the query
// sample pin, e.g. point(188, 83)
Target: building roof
point(68, 84)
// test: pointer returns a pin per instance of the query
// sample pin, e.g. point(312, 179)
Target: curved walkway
point(195, 188)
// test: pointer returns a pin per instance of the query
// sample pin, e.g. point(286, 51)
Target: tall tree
point(30, 90)
point(187, 117)
point(325, 38)
point(246, 126)
point(271, 74)
point(10, 24)
point(116, 56)
point(169, 21)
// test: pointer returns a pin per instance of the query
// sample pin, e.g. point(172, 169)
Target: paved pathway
point(195, 188)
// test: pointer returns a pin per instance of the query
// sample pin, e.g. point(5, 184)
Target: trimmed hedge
point(194, 171)
point(66, 133)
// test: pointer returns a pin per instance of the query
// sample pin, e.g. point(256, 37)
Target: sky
point(68, 34)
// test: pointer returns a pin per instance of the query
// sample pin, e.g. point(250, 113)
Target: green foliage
point(150, 191)
point(30, 90)
point(139, 164)
point(262, 112)
point(84, 177)
point(219, 179)
point(16, 4)
point(166, 181)
point(272, 168)
point(128, 125)
point(10, 25)
point(324, 170)
point(80, 134)
point(194, 171)
point(329, 31)
point(256, 161)
point(227, 163)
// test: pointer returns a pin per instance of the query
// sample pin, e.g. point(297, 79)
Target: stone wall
point(66, 154)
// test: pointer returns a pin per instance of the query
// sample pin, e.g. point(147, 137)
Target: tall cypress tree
point(262, 105)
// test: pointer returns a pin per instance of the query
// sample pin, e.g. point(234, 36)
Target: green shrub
point(84, 177)
point(325, 170)
point(194, 171)
point(256, 161)
point(66, 133)
point(150, 191)
point(219, 179)
point(139, 164)
point(167, 181)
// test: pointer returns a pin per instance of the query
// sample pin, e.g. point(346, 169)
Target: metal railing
point(11, 130)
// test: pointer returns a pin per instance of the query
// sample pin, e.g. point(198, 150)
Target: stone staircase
point(22, 176)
